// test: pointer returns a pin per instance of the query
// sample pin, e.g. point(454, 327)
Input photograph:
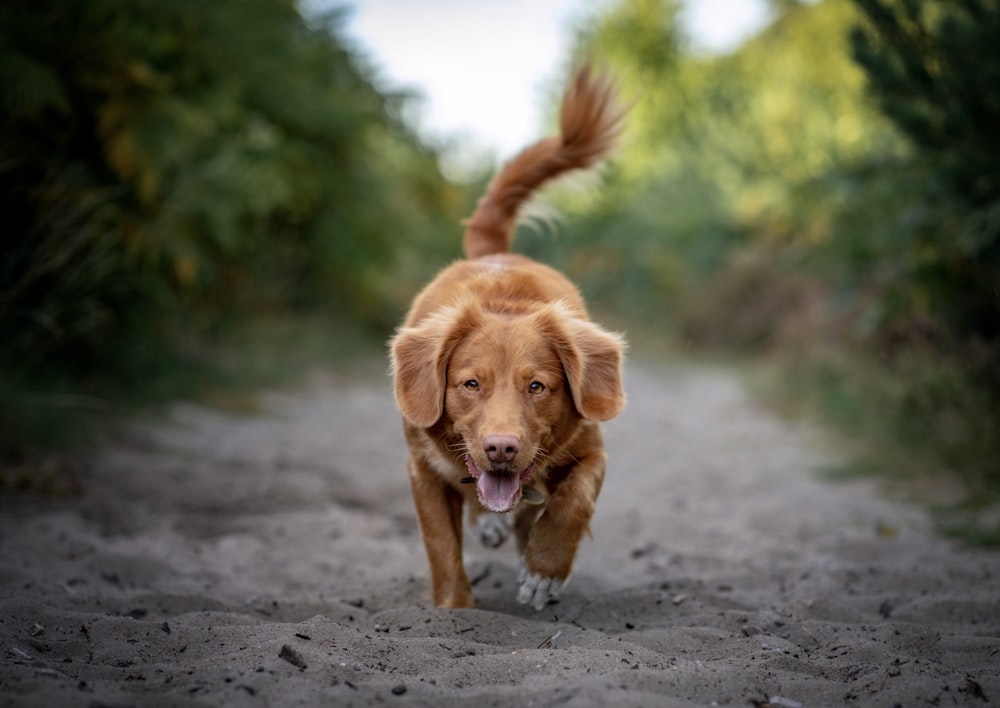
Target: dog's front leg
point(439, 511)
point(553, 540)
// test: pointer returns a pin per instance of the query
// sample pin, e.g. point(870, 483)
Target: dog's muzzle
point(499, 490)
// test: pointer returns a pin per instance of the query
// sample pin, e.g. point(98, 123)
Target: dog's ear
point(592, 360)
point(420, 356)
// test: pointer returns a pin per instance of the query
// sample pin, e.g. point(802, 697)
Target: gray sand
point(274, 559)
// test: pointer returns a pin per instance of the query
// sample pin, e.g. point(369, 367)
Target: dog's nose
point(501, 448)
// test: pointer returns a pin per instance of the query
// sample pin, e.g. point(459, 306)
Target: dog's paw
point(493, 529)
point(535, 590)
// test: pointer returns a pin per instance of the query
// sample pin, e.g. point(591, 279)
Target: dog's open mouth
point(498, 491)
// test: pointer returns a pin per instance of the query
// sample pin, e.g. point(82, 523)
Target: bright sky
point(483, 65)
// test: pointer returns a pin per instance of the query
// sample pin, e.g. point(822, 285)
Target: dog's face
point(510, 389)
point(506, 399)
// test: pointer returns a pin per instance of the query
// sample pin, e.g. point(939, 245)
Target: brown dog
point(502, 378)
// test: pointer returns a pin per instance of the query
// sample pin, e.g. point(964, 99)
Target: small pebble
point(292, 657)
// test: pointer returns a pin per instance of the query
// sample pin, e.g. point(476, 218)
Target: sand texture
point(274, 559)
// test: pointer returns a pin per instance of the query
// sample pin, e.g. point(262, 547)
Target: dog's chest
point(446, 466)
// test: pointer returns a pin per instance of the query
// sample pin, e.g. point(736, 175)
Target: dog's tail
point(590, 121)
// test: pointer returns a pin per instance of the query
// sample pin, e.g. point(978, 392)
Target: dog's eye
point(536, 387)
point(471, 385)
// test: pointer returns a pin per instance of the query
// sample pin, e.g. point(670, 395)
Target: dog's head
point(510, 387)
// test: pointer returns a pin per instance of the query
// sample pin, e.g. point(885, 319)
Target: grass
point(923, 426)
point(45, 418)
point(924, 423)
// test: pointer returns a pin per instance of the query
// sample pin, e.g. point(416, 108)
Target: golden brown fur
point(501, 378)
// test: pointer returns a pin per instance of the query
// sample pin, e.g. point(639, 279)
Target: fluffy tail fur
point(590, 121)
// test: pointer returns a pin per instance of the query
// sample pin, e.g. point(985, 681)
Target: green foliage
point(929, 65)
point(169, 166)
point(934, 69)
point(721, 152)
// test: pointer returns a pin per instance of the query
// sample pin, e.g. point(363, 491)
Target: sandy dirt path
point(219, 559)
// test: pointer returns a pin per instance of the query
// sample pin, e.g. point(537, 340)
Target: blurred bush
point(169, 166)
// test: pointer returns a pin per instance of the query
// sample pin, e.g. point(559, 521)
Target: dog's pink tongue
point(496, 491)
